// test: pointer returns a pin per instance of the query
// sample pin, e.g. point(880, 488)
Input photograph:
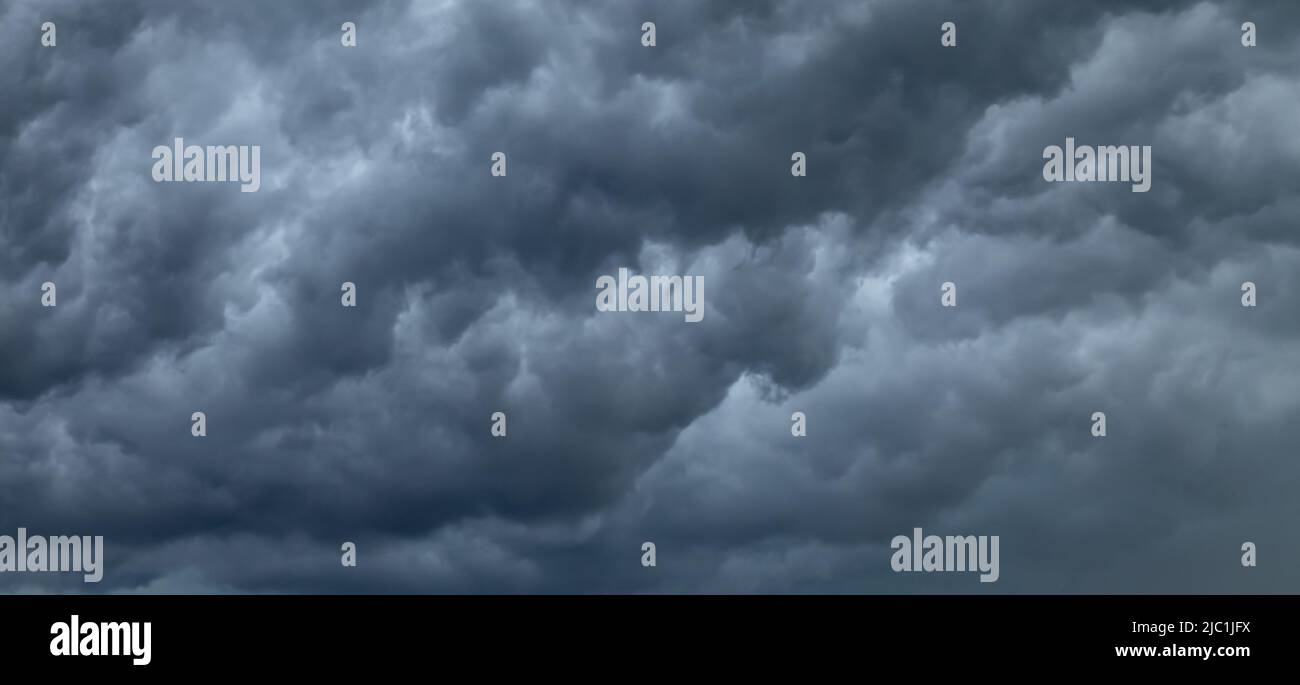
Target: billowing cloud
point(476, 294)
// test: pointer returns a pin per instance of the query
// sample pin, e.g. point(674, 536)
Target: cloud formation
point(476, 294)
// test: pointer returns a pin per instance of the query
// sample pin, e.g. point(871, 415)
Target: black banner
point(337, 634)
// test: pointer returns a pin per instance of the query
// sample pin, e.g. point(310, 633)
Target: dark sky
point(476, 294)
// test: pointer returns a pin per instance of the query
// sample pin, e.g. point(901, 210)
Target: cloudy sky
point(476, 294)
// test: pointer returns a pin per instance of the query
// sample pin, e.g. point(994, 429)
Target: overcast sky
point(477, 294)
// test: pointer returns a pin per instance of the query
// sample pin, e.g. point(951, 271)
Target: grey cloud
point(476, 295)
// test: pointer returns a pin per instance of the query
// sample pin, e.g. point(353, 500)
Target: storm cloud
point(476, 294)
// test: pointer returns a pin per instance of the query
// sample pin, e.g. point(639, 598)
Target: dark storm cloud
point(476, 294)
